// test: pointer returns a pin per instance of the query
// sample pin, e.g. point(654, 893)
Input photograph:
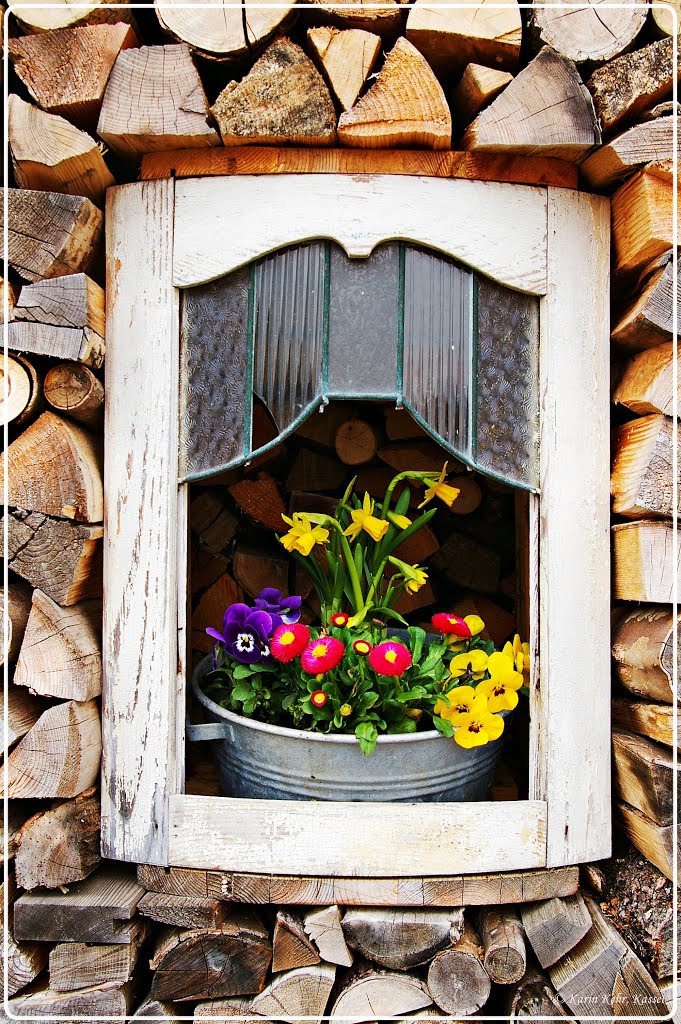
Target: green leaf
point(403, 726)
point(242, 692)
point(367, 735)
point(242, 671)
point(443, 726)
point(418, 638)
point(390, 613)
point(416, 693)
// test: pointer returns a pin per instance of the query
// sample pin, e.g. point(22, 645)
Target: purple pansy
point(244, 633)
point(283, 610)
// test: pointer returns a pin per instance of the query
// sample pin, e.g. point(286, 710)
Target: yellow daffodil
point(478, 728)
point(363, 519)
point(500, 689)
point(473, 661)
point(519, 653)
point(475, 624)
point(457, 702)
point(401, 521)
point(439, 489)
point(413, 575)
point(303, 535)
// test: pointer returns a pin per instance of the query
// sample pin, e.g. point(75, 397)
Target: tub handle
point(208, 731)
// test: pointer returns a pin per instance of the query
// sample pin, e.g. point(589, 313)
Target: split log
point(405, 108)
point(73, 389)
point(60, 557)
point(18, 813)
point(303, 992)
point(479, 85)
point(22, 388)
point(227, 1008)
point(642, 649)
point(67, 14)
point(21, 711)
point(356, 442)
point(75, 965)
point(554, 927)
point(49, 234)
point(533, 998)
point(261, 500)
point(426, 596)
point(8, 293)
point(467, 563)
point(645, 561)
point(100, 1001)
point(643, 775)
point(325, 929)
point(400, 939)
point(291, 947)
point(642, 482)
point(419, 547)
point(52, 155)
point(657, 843)
point(591, 33)
point(346, 59)
point(400, 425)
point(63, 318)
point(619, 158)
point(54, 467)
point(25, 960)
point(66, 71)
point(451, 38)
point(59, 756)
point(223, 32)
point(656, 721)
point(321, 426)
point(642, 218)
point(211, 522)
point(663, 20)
point(154, 1009)
point(154, 100)
point(305, 501)
point(384, 18)
point(503, 940)
point(626, 87)
point(99, 909)
point(183, 911)
point(593, 877)
point(602, 976)
point(17, 600)
point(175, 881)
point(312, 471)
point(424, 456)
point(545, 110)
point(61, 655)
point(457, 979)
point(647, 384)
point(229, 960)
point(59, 846)
point(205, 570)
point(469, 497)
point(649, 320)
point(211, 609)
point(370, 994)
point(283, 99)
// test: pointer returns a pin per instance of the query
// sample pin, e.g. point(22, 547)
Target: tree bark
point(49, 234)
point(626, 87)
point(503, 940)
point(641, 642)
point(61, 655)
point(74, 390)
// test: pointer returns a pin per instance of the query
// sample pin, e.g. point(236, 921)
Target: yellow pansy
point(478, 728)
point(500, 689)
point(473, 661)
point(475, 624)
point(457, 702)
point(303, 535)
point(439, 489)
point(519, 653)
point(363, 519)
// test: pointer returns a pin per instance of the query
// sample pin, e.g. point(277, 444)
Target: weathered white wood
point(369, 839)
point(496, 228)
point(573, 729)
point(140, 559)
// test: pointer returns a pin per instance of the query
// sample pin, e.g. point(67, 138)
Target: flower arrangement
point(356, 674)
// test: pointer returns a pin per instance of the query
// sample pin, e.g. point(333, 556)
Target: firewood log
point(305, 501)
point(503, 940)
point(647, 384)
point(419, 547)
point(210, 962)
point(312, 471)
point(291, 947)
point(384, 18)
point(545, 110)
point(369, 994)
point(324, 928)
point(183, 911)
point(479, 85)
point(602, 976)
point(60, 557)
point(642, 775)
point(21, 711)
point(663, 21)
point(101, 908)
point(405, 108)
point(400, 939)
point(175, 881)
point(588, 33)
point(321, 426)
point(645, 561)
point(426, 596)
point(50, 234)
point(457, 979)
point(211, 522)
point(424, 456)
point(73, 389)
point(468, 564)
point(626, 153)
point(356, 442)
point(50, 154)
point(68, 14)
point(211, 609)
point(61, 654)
point(554, 927)
point(469, 497)
point(16, 598)
point(657, 843)
point(107, 1001)
point(66, 71)
point(155, 100)
point(54, 467)
point(59, 846)
point(625, 87)
point(648, 321)
point(63, 318)
point(400, 425)
point(59, 756)
point(642, 218)
point(25, 960)
point(222, 1009)
point(303, 992)
point(641, 482)
point(532, 998)
point(642, 649)
point(451, 38)
point(261, 500)
point(76, 965)
point(205, 570)
point(8, 292)
point(223, 32)
point(155, 1009)
point(346, 59)
point(23, 388)
point(656, 721)
point(282, 99)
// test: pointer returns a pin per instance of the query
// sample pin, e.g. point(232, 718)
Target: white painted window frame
point(167, 235)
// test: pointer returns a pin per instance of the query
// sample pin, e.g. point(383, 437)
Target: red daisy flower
point(340, 619)
point(448, 623)
point(390, 658)
point(322, 655)
point(288, 641)
point(362, 647)
point(318, 698)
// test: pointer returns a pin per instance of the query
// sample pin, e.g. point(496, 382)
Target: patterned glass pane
point(438, 334)
point(213, 362)
point(507, 383)
point(289, 325)
point(363, 323)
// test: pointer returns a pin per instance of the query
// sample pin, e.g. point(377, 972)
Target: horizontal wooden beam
point(518, 170)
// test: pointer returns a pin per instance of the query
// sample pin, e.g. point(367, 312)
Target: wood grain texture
point(140, 617)
point(63, 317)
point(646, 561)
point(346, 57)
point(65, 13)
point(58, 556)
point(625, 87)
point(656, 721)
point(76, 965)
point(619, 158)
point(400, 939)
point(643, 775)
point(50, 234)
point(479, 85)
point(642, 218)
point(554, 927)
point(452, 37)
point(649, 319)
point(325, 929)
point(642, 652)
point(73, 389)
point(647, 384)
point(590, 32)
point(219, 31)
point(59, 845)
point(642, 482)
point(657, 843)
point(495, 228)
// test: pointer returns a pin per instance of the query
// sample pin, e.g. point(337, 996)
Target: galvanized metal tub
point(271, 762)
